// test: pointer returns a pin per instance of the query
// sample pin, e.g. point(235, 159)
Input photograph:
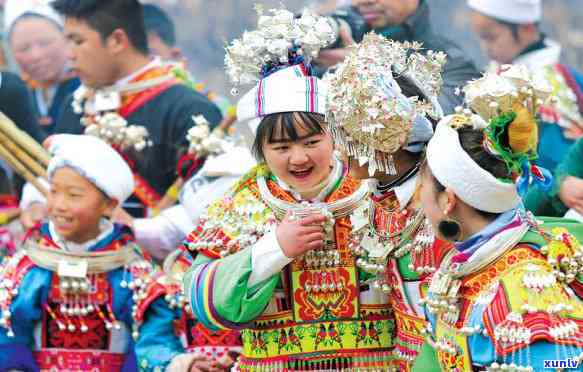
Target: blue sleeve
point(158, 342)
point(122, 299)
point(25, 312)
point(17, 357)
point(577, 76)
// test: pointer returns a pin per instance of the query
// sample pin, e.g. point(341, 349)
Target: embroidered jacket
point(74, 312)
point(521, 309)
point(317, 313)
point(165, 107)
point(415, 255)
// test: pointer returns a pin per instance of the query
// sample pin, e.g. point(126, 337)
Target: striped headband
point(288, 90)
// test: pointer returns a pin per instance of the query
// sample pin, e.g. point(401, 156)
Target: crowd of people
point(370, 201)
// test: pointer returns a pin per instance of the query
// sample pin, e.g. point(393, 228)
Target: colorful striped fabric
point(288, 90)
point(201, 298)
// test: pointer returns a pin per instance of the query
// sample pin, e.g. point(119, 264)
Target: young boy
point(68, 297)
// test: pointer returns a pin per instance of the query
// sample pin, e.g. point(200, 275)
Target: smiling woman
point(35, 36)
point(272, 256)
point(297, 149)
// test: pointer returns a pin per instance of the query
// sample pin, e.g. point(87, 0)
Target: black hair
point(283, 127)
point(515, 27)
point(409, 88)
point(472, 143)
point(156, 20)
point(106, 16)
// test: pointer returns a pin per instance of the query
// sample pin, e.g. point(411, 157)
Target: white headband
point(14, 9)
point(288, 90)
point(455, 169)
point(95, 160)
point(513, 11)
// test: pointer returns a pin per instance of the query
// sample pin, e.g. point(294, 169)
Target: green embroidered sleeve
point(219, 293)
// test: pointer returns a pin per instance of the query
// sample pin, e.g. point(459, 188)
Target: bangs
point(286, 127)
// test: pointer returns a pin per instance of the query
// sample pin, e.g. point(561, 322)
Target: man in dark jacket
point(109, 51)
point(404, 20)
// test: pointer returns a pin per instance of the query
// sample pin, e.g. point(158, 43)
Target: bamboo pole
point(25, 141)
point(23, 156)
point(19, 168)
point(226, 123)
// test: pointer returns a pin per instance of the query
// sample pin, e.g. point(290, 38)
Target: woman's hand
point(571, 193)
point(192, 362)
point(296, 237)
point(203, 364)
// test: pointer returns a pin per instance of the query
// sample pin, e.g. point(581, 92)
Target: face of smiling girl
point(302, 164)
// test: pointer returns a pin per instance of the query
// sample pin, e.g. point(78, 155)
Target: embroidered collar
point(104, 110)
point(503, 222)
point(540, 57)
point(403, 190)
point(109, 233)
point(330, 185)
point(155, 62)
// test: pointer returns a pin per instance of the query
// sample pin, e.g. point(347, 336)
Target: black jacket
point(459, 68)
point(167, 117)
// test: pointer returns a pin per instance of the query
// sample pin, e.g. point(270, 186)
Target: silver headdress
point(280, 40)
point(495, 94)
point(370, 118)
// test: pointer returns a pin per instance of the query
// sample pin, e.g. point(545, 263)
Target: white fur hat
point(513, 11)
point(14, 9)
point(95, 160)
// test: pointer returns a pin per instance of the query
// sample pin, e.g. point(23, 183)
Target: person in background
point(509, 32)
point(404, 20)
point(131, 100)
point(161, 33)
point(566, 195)
point(34, 32)
point(161, 234)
